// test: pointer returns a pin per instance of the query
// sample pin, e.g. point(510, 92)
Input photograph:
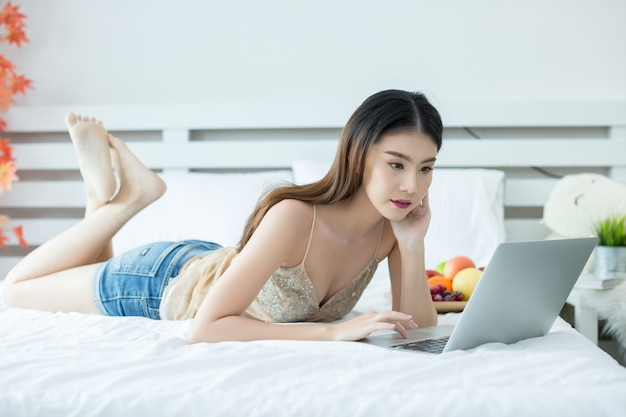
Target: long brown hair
point(381, 113)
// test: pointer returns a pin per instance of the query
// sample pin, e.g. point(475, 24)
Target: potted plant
point(610, 254)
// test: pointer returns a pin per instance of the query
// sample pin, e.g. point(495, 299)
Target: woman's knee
point(10, 292)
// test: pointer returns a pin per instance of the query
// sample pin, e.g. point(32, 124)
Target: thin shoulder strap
point(311, 235)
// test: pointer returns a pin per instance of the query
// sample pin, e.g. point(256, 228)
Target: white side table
point(585, 314)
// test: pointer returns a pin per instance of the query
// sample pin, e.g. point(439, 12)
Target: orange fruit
point(446, 282)
point(456, 264)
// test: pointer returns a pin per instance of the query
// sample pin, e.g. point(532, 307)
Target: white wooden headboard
point(534, 143)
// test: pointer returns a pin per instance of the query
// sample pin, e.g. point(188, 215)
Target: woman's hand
point(364, 325)
point(414, 226)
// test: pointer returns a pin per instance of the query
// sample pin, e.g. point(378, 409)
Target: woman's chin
point(394, 214)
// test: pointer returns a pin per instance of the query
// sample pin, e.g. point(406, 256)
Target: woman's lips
point(403, 204)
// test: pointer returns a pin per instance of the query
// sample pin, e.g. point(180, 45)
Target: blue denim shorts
point(132, 283)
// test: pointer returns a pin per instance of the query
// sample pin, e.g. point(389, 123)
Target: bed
point(57, 364)
point(488, 189)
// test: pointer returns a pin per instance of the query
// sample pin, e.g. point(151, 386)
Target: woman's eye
point(426, 169)
point(396, 165)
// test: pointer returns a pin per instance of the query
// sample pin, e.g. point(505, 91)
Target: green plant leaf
point(611, 231)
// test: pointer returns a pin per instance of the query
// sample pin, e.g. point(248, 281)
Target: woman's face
point(398, 172)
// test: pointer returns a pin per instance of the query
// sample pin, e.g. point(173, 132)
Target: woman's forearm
point(415, 298)
point(237, 328)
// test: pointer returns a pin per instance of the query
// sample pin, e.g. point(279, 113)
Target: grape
point(440, 293)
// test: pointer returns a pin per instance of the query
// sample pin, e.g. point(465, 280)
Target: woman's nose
point(409, 184)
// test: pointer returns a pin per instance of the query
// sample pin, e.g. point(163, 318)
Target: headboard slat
point(280, 154)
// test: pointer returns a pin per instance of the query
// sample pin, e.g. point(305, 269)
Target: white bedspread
point(78, 365)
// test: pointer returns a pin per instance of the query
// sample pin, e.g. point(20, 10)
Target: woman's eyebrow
point(408, 158)
point(399, 155)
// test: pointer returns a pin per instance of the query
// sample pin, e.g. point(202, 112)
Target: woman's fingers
point(400, 329)
point(364, 325)
point(400, 321)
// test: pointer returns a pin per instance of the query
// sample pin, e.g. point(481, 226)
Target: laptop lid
point(521, 291)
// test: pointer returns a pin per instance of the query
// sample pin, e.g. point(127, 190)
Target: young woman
point(307, 252)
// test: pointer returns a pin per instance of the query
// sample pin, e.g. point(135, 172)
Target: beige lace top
point(287, 296)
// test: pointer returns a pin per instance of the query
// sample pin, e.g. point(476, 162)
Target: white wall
point(204, 52)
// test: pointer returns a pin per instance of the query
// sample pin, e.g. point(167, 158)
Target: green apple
point(465, 281)
point(439, 268)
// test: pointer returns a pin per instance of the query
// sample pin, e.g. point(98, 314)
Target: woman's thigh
point(67, 291)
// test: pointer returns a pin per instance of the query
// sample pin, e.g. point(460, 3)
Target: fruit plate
point(449, 306)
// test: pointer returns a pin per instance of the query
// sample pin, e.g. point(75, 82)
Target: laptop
point(519, 296)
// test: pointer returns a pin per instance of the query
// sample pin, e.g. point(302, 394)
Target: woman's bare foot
point(139, 186)
point(94, 159)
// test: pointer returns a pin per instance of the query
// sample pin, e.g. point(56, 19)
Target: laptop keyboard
point(435, 345)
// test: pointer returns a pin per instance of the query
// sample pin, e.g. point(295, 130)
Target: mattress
point(70, 364)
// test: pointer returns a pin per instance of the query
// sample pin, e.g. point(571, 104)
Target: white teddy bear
point(574, 205)
point(577, 201)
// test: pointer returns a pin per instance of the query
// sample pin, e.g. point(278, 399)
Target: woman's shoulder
point(289, 217)
point(292, 210)
point(281, 231)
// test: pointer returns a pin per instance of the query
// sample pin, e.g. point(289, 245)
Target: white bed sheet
point(59, 364)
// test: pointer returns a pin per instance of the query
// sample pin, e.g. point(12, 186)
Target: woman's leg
point(58, 275)
point(94, 157)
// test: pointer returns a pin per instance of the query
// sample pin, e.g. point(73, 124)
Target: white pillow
point(202, 206)
point(467, 208)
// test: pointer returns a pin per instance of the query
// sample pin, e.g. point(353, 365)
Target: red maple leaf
point(3, 126)
point(19, 84)
point(6, 150)
point(11, 16)
point(3, 239)
point(6, 65)
point(16, 35)
point(20, 236)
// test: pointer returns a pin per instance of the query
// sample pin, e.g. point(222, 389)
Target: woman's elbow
point(192, 338)
point(206, 331)
point(197, 332)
